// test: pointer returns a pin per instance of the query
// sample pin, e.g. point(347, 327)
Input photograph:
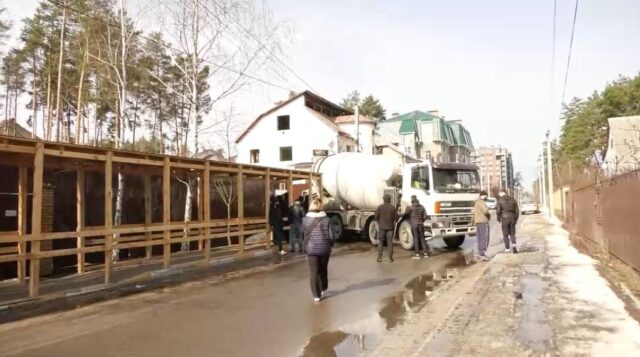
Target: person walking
point(417, 214)
point(386, 215)
point(317, 243)
point(481, 217)
point(275, 221)
point(296, 214)
point(508, 213)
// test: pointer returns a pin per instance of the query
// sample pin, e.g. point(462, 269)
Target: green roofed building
point(427, 135)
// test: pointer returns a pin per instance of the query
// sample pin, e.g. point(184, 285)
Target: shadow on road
point(368, 284)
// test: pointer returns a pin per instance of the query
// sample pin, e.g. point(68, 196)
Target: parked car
point(527, 207)
point(491, 202)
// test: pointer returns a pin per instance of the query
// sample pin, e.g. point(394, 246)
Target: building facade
point(623, 146)
point(428, 136)
point(304, 126)
point(496, 169)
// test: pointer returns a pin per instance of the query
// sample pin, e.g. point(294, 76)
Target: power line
point(271, 54)
point(566, 73)
point(139, 35)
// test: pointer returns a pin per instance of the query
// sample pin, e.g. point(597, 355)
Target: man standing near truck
point(481, 217)
point(508, 213)
point(417, 214)
point(386, 215)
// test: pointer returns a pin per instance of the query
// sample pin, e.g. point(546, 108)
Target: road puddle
point(349, 341)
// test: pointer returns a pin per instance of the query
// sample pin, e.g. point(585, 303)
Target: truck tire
point(335, 225)
point(405, 235)
point(454, 242)
point(371, 230)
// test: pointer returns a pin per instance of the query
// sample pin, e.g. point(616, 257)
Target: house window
point(283, 122)
point(286, 153)
point(254, 156)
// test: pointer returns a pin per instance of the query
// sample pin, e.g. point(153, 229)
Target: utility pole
point(540, 192)
point(357, 128)
point(543, 175)
point(550, 174)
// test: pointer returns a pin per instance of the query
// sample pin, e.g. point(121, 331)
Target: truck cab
point(447, 191)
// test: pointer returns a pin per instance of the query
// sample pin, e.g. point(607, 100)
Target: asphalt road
point(268, 313)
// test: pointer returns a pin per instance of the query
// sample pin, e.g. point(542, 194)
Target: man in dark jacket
point(417, 215)
point(275, 220)
point(296, 214)
point(508, 213)
point(386, 215)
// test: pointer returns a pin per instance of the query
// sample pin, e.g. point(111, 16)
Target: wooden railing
point(40, 156)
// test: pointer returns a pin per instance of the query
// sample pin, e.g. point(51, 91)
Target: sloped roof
point(11, 128)
point(312, 101)
point(450, 132)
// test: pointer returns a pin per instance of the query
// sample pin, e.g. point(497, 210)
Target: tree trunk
point(187, 211)
point(79, 118)
point(49, 121)
point(34, 120)
point(229, 222)
point(121, 116)
point(60, 60)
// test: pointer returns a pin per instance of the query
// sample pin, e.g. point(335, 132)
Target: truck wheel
point(454, 242)
point(371, 230)
point(405, 235)
point(335, 225)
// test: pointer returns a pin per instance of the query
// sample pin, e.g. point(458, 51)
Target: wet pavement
point(266, 313)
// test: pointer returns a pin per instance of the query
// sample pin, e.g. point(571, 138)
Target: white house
point(623, 149)
point(299, 128)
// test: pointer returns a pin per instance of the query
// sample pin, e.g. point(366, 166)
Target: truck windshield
point(449, 180)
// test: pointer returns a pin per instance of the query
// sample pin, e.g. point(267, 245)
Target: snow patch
point(591, 299)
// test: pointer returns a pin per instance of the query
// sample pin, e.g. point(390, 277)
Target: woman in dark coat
point(317, 243)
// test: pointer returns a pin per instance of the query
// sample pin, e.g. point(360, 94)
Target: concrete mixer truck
point(355, 183)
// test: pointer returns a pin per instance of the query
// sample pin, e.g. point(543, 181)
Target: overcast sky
point(485, 62)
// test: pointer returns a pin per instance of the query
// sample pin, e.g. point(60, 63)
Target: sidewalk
point(549, 300)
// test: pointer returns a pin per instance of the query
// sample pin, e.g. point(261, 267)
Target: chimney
point(435, 113)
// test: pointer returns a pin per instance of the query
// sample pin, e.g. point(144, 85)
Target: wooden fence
point(24, 244)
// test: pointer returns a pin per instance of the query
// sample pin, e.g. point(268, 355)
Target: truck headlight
point(438, 224)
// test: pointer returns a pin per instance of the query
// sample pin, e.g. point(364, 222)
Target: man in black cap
point(417, 214)
point(386, 216)
point(508, 213)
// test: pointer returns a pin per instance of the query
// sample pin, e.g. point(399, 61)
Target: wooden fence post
point(206, 205)
point(166, 212)
point(36, 220)
point(240, 188)
point(267, 199)
point(290, 189)
point(147, 213)
point(80, 217)
point(22, 222)
point(108, 217)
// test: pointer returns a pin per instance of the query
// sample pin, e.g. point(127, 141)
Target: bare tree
point(224, 186)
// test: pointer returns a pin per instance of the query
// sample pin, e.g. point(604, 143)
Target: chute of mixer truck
point(355, 183)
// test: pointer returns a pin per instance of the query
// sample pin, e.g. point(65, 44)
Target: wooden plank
point(76, 155)
point(206, 184)
point(240, 188)
point(36, 218)
point(290, 188)
point(267, 201)
point(136, 161)
point(184, 165)
point(200, 181)
point(22, 222)
point(147, 211)
point(11, 258)
point(16, 149)
point(80, 217)
point(108, 217)
point(63, 252)
point(166, 211)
